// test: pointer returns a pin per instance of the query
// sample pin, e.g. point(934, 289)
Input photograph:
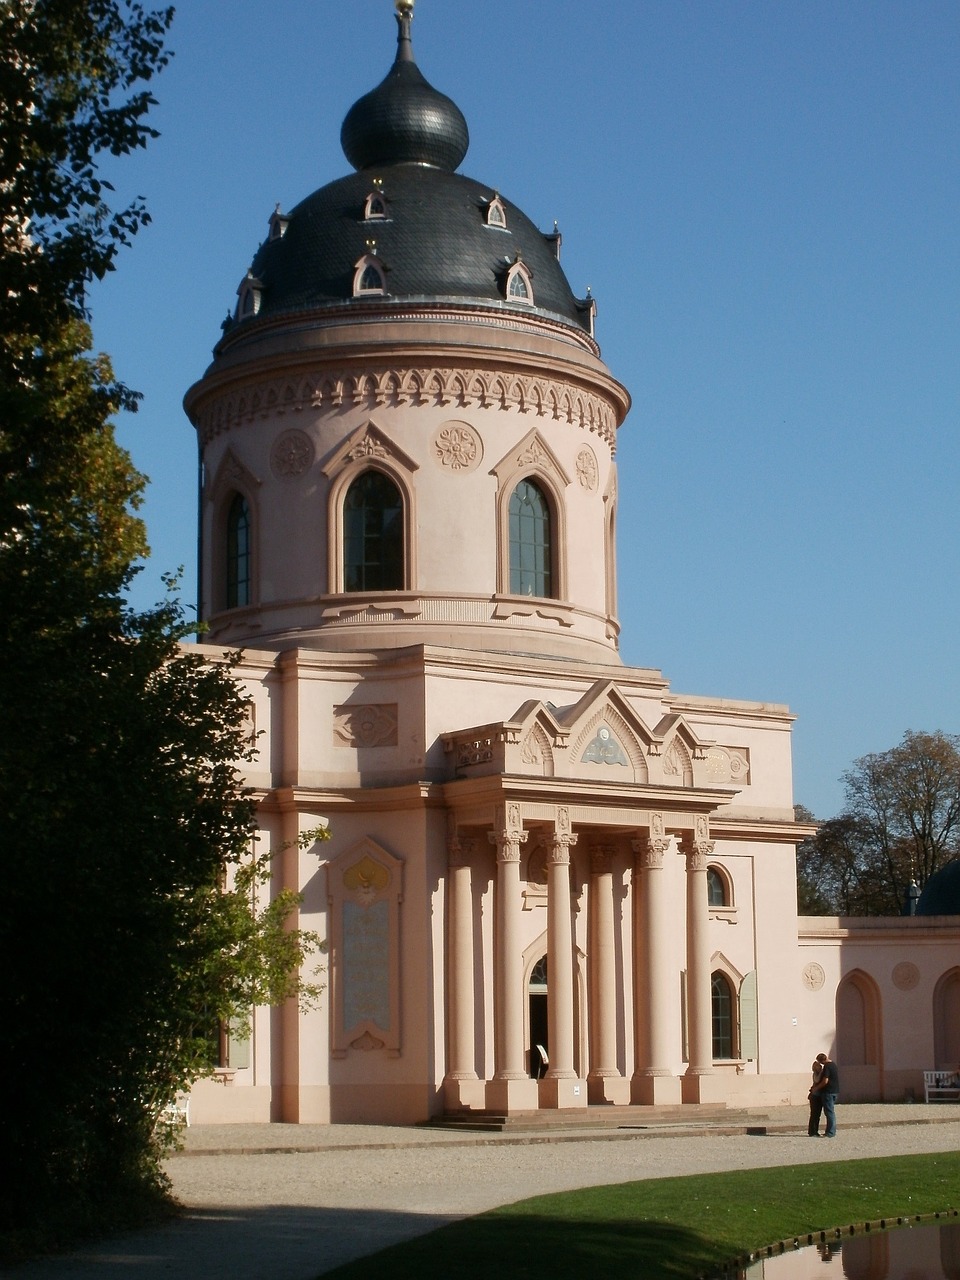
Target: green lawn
point(671, 1228)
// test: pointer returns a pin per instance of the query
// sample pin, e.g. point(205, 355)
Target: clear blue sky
point(764, 196)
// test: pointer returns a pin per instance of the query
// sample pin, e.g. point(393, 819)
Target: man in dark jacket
point(827, 1090)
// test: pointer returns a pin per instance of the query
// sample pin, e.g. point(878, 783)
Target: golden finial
point(404, 7)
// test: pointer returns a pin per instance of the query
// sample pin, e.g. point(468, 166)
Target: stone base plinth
point(464, 1095)
point(655, 1091)
point(614, 1090)
point(706, 1088)
point(506, 1096)
point(557, 1094)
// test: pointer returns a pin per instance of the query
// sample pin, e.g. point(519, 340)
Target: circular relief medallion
point(813, 976)
point(292, 454)
point(457, 447)
point(587, 472)
point(906, 975)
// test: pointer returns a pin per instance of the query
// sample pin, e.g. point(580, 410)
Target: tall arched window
point(530, 551)
point(722, 1005)
point(238, 552)
point(716, 889)
point(373, 535)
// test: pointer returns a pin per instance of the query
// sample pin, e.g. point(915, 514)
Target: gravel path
point(264, 1208)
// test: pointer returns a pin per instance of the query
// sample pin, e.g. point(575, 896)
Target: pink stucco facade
point(532, 843)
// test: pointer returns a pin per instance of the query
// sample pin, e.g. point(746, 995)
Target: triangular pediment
point(673, 728)
point(606, 732)
point(532, 453)
point(231, 476)
point(369, 443)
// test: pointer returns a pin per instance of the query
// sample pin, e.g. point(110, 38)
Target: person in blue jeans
point(827, 1090)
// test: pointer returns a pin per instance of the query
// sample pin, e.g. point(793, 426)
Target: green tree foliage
point(137, 914)
point(900, 825)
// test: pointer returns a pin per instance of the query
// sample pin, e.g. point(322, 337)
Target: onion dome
point(941, 893)
point(405, 120)
point(405, 230)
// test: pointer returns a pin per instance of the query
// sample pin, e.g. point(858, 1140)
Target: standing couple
point(823, 1096)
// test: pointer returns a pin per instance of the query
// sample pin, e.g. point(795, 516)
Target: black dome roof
point(431, 235)
point(434, 244)
point(405, 119)
point(941, 893)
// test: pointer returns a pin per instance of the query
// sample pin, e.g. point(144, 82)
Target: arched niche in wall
point(858, 1021)
point(946, 1020)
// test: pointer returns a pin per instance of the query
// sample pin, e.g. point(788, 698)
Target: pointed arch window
point(375, 208)
point(369, 278)
point(249, 296)
point(373, 557)
point(723, 1005)
point(496, 214)
point(278, 224)
point(238, 552)
point(519, 284)
point(530, 541)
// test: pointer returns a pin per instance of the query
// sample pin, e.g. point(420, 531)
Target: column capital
point(697, 846)
point(558, 850)
point(651, 851)
point(508, 833)
point(698, 853)
point(601, 859)
point(459, 851)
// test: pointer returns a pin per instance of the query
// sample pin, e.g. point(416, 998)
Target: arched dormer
point(375, 207)
point(369, 277)
point(495, 214)
point(518, 283)
point(249, 297)
point(278, 224)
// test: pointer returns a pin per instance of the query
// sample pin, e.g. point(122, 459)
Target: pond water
point(928, 1251)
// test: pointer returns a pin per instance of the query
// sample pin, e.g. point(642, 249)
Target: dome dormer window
point(375, 208)
point(278, 224)
point(519, 284)
point(249, 297)
point(369, 277)
point(495, 214)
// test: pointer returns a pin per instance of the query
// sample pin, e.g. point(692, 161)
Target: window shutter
point(749, 1033)
point(238, 1045)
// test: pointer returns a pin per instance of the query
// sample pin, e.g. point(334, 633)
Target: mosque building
point(552, 881)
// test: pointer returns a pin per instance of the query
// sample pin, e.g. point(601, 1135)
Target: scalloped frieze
point(464, 388)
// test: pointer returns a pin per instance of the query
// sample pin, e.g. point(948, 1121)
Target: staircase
point(600, 1118)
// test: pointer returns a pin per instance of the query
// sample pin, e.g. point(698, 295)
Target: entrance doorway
point(538, 1047)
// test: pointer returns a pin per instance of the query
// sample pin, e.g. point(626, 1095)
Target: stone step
point(591, 1117)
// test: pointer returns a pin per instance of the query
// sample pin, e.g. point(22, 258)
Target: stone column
point(461, 1086)
point(512, 1088)
point(560, 1087)
point(604, 1081)
point(699, 1082)
point(656, 988)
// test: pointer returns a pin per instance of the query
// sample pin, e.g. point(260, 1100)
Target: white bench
point(177, 1113)
point(941, 1086)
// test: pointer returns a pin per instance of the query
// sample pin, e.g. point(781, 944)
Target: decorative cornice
point(461, 388)
point(372, 311)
